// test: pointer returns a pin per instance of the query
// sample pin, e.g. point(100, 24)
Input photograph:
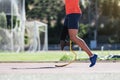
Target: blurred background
point(99, 25)
point(36, 25)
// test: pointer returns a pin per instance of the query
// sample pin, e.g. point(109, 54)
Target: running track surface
point(48, 71)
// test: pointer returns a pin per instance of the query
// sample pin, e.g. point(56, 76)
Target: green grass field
point(48, 55)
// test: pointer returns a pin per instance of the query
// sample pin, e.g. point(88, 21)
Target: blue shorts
point(72, 21)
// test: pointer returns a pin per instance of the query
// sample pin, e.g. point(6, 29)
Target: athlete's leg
point(73, 31)
point(63, 37)
point(79, 41)
point(64, 33)
point(82, 44)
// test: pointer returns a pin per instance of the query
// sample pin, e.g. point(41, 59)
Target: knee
point(73, 38)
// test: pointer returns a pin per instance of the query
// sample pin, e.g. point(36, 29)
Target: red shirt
point(72, 6)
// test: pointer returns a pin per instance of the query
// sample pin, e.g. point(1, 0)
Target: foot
point(63, 44)
point(93, 60)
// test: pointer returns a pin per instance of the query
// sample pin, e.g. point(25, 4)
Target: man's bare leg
point(79, 41)
point(83, 45)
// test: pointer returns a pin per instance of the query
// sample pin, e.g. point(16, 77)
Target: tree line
point(102, 15)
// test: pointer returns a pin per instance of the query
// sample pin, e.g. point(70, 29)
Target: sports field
point(41, 66)
point(50, 55)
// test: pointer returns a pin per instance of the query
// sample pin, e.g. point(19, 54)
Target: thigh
point(66, 21)
point(64, 32)
point(73, 32)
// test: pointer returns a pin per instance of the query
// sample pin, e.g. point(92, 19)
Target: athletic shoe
point(63, 44)
point(93, 60)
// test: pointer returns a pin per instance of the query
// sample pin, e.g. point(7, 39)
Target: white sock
point(92, 55)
